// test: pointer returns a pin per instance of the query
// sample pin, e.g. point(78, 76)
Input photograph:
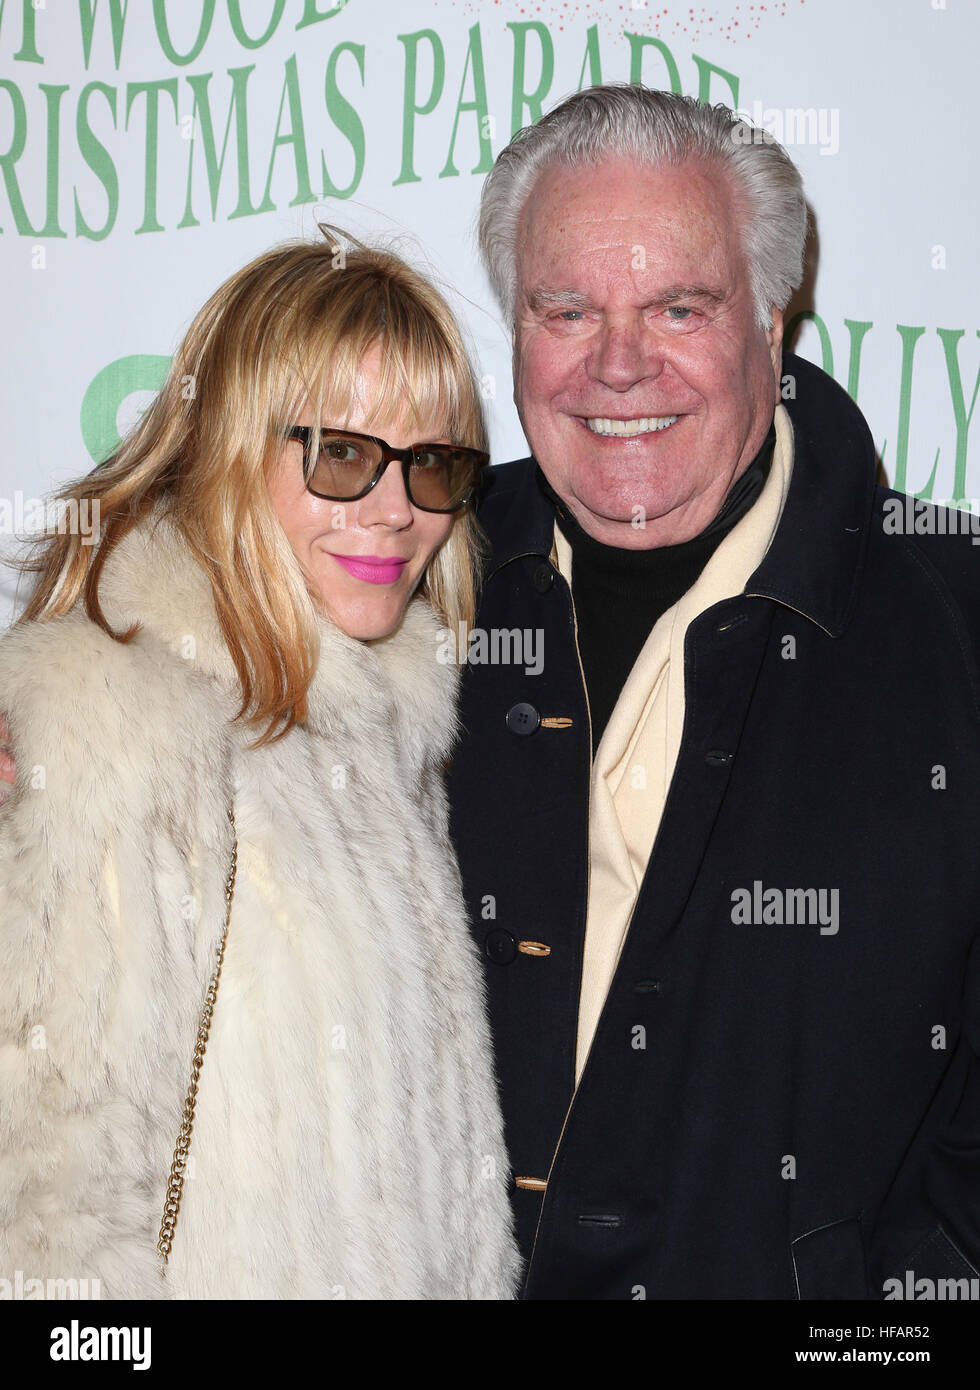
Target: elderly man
point(719, 849)
point(721, 853)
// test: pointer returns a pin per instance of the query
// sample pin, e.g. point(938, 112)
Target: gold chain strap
point(175, 1187)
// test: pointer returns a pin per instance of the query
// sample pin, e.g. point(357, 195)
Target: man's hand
point(8, 768)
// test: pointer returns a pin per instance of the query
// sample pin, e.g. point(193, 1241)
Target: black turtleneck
point(620, 594)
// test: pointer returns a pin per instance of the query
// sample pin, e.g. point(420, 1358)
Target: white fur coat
point(347, 1140)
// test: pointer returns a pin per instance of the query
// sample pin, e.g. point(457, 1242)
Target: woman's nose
point(387, 503)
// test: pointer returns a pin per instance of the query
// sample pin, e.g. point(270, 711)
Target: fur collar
point(398, 681)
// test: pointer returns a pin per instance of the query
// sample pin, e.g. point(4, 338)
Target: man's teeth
point(647, 425)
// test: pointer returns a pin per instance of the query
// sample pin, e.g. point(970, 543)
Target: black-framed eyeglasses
point(347, 465)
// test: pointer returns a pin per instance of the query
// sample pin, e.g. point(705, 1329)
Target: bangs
point(424, 377)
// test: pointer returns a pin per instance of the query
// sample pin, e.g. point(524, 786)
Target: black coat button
point(500, 946)
point(544, 577)
point(523, 719)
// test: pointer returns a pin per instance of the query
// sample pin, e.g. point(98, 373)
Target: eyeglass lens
point(439, 477)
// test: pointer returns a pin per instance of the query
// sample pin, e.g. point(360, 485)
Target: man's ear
point(515, 365)
point(774, 337)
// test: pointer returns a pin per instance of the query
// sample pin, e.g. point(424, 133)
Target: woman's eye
point(339, 451)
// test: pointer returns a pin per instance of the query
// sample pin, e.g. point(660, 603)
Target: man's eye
point(571, 315)
point(679, 312)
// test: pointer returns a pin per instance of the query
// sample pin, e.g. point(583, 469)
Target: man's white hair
point(621, 120)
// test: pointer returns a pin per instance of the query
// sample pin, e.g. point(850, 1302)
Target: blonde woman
point(243, 1043)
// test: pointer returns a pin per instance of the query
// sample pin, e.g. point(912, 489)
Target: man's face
point(644, 385)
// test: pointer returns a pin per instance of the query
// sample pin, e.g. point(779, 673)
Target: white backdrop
point(149, 148)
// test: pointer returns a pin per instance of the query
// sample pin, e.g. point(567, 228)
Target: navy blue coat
point(767, 1111)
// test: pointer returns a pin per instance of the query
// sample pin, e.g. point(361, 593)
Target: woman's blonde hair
point(290, 328)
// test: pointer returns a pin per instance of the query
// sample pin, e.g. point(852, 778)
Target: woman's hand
point(8, 768)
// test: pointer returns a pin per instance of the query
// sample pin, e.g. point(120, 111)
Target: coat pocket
point(829, 1262)
point(937, 1258)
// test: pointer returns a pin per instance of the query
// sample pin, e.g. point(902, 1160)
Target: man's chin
point(603, 519)
point(634, 521)
point(617, 504)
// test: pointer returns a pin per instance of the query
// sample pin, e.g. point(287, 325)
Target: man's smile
point(642, 424)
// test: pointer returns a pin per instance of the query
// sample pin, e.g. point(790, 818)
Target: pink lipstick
point(374, 569)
